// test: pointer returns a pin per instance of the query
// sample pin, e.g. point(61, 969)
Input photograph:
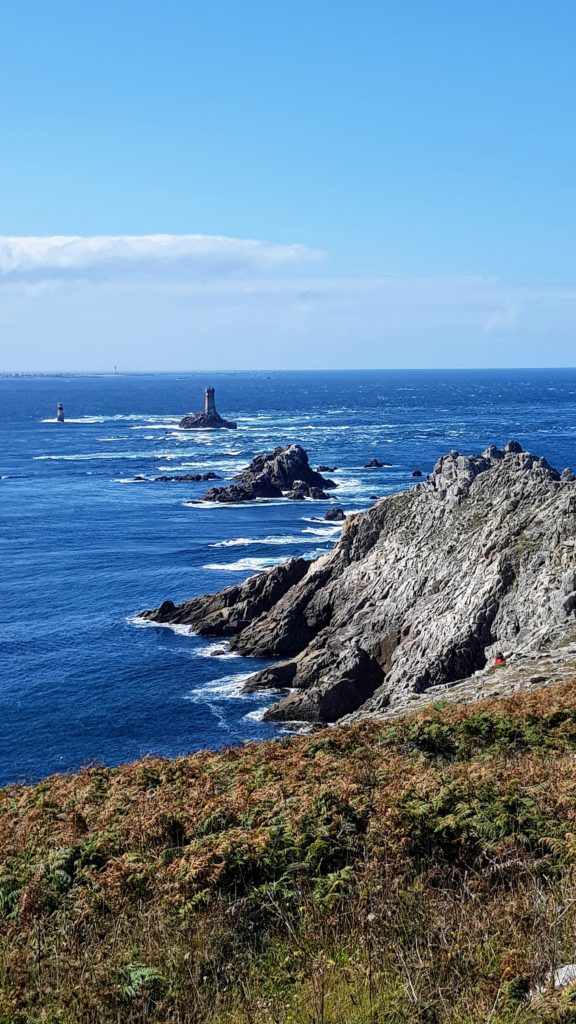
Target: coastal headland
point(421, 591)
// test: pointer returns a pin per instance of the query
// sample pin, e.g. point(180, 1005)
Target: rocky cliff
point(420, 591)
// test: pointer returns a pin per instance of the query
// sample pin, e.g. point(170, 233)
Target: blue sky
point(408, 168)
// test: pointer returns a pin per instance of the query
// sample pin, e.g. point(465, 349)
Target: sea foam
point(244, 564)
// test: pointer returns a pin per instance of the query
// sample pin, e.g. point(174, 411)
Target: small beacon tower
point(60, 413)
point(209, 403)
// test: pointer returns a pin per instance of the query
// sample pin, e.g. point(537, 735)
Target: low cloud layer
point(166, 302)
point(202, 255)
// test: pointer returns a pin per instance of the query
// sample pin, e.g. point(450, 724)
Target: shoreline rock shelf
point(419, 592)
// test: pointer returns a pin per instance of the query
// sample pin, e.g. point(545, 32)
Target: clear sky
point(407, 168)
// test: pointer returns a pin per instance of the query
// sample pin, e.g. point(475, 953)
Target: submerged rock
point(420, 591)
point(269, 476)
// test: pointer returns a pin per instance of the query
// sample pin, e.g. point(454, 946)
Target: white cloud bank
point(202, 254)
point(182, 302)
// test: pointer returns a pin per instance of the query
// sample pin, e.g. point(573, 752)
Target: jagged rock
point(235, 493)
point(374, 464)
point(566, 475)
point(326, 469)
point(335, 515)
point(229, 611)
point(209, 418)
point(420, 591)
point(416, 472)
point(268, 476)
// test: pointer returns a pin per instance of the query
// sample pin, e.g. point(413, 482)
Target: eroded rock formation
point(284, 471)
point(420, 591)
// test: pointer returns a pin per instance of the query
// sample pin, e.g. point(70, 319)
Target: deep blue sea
point(83, 549)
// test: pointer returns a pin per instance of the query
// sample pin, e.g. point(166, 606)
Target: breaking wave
point(140, 623)
point(244, 564)
point(241, 542)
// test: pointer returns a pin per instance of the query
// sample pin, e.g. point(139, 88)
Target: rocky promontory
point(420, 591)
point(285, 471)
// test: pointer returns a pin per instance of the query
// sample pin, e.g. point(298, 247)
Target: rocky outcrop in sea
point(285, 471)
point(420, 591)
point(209, 418)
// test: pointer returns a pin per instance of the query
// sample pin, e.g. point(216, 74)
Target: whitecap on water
point(255, 716)
point(244, 564)
point(133, 480)
point(140, 623)
point(92, 456)
point(328, 531)
point(268, 502)
point(219, 689)
point(79, 419)
point(220, 649)
point(240, 542)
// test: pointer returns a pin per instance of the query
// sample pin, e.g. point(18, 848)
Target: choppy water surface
point(84, 549)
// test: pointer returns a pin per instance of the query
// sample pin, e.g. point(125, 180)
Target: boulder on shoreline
point(284, 471)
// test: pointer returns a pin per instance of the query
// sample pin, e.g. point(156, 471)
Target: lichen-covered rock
point(420, 591)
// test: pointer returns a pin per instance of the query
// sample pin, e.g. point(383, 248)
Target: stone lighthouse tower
point(209, 403)
point(60, 413)
point(208, 419)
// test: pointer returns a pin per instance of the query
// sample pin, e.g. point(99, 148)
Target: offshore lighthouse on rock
point(209, 418)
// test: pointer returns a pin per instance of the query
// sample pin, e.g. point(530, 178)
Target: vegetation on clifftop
point(420, 871)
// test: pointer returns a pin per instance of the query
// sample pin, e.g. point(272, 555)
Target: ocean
point(84, 548)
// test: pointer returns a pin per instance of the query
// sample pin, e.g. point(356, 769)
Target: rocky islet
point(285, 472)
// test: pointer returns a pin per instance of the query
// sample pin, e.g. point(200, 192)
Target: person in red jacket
point(499, 659)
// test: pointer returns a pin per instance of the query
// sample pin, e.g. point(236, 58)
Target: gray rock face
point(420, 591)
point(231, 610)
point(335, 515)
point(269, 476)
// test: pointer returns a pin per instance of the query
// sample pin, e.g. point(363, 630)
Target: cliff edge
point(420, 591)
